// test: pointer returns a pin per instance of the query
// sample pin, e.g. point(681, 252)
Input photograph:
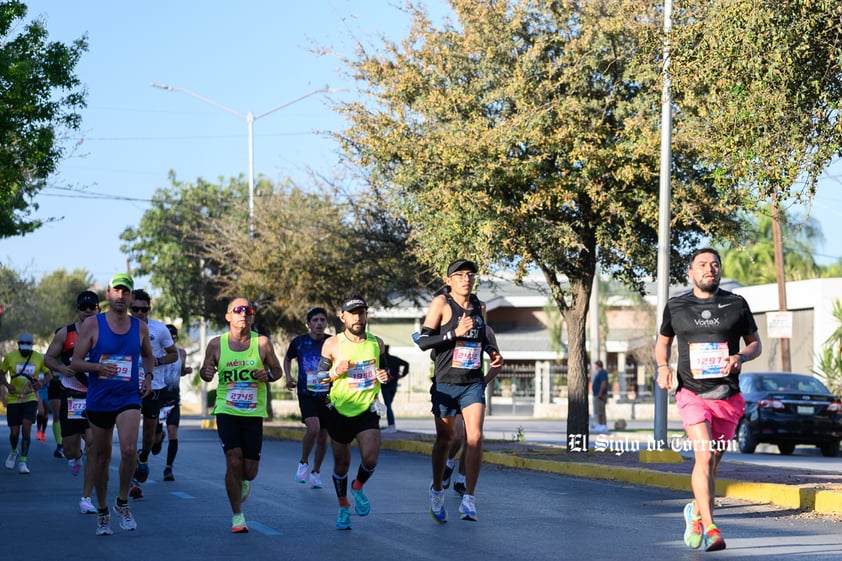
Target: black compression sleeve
point(432, 339)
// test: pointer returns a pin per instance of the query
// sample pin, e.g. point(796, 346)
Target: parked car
point(788, 409)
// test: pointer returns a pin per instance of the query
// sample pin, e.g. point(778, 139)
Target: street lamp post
point(250, 118)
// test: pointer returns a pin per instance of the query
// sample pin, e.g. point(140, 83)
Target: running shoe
point(12, 459)
point(343, 521)
point(41, 436)
point(692, 527)
point(467, 508)
point(75, 466)
point(246, 491)
point(103, 527)
point(58, 452)
point(141, 472)
point(301, 472)
point(238, 524)
point(315, 480)
point(445, 480)
point(437, 510)
point(459, 487)
point(86, 506)
point(135, 491)
point(156, 447)
point(361, 504)
point(127, 521)
point(713, 539)
point(168, 476)
point(23, 469)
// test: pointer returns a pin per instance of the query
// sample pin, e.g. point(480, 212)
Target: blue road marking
point(265, 530)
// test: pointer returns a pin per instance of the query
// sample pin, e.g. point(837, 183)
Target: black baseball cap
point(87, 297)
point(460, 265)
point(353, 304)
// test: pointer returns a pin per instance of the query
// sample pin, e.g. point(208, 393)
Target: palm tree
point(753, 261)
point(829, 362)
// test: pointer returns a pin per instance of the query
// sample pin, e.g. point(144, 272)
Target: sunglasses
point(138, 309)
point(88, 307)
point(247, 310)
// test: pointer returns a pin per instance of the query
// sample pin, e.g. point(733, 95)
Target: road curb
point(820, 499)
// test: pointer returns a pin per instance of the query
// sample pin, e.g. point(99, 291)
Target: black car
point(788, 409)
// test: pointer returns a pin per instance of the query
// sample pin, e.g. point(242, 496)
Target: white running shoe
point(467, 508)
point(437, 510)
point(103, 527)
point(127, 521)
point(315, 480)
point(23, 468)
point(301, 472)
point(12, 459)
point(86, 506)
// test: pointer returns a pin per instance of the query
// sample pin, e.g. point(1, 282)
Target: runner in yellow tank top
point(351, 359)
point(245, 361)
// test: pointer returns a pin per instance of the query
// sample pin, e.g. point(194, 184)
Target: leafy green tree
point(309, 248)
point(316, 248)
point(169, 245)
point(15, 290)
point(40, 97)
point(53, 301)
point(769, 75)
point(526, 135)
point(39, 307)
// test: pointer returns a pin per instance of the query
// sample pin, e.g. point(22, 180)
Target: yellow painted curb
point(660, 457)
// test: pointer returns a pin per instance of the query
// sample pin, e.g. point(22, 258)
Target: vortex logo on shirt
point(707, 320)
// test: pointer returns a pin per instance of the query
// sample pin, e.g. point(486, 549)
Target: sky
point(249, 56)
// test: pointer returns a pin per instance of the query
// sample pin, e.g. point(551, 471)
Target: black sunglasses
point(138, 309)
point(247, 310)
point(88, 307)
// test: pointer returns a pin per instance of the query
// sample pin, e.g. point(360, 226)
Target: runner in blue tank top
point(110, 347)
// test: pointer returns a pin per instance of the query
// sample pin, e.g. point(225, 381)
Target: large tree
point(768, 74)
point(526, 134)
point(311, 248)
point(169, 245)
point(39, 307)
point(40, 97)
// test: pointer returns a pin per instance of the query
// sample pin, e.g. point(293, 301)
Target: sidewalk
point(540, 445)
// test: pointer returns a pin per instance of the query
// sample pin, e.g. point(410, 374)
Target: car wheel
point(830, 450)
point(746, 442)
point(786, 448)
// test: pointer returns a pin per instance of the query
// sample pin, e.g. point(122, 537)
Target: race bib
point(362, 375)
point(26, 369)
point(467, 354)
point(241, 395)
point(708, 359)
point(75, 407)
point(124, 366)
point(313, 383)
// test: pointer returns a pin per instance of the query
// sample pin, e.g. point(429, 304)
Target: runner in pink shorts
point(710, 323)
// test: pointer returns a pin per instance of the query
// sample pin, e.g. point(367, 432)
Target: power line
point(78, 194)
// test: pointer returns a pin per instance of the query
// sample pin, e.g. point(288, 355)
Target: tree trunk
point(575, 317)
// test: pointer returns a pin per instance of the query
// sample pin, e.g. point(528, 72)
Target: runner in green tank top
point(245, 361)
point(351, 360)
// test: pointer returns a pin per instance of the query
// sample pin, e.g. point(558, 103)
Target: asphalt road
point(522, 515)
